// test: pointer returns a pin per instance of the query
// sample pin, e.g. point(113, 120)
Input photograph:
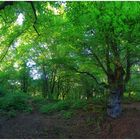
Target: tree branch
point(99, 61)
point(103, 84)
point(35, 21)
point(9, 3)
point(84, 72)
point(7, 49)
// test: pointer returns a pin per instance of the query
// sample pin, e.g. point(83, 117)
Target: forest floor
point(81, 125)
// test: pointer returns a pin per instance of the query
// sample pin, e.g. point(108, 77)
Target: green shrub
point(38, 101)
point(15, 101)
point(79, 104)
point(132, 98)
point(53, 107)
point(2, 91)
point(100, 100)
point(64, 105)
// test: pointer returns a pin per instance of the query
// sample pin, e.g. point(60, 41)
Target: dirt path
point(82, 125)
point(132, 106)
point(42, 126)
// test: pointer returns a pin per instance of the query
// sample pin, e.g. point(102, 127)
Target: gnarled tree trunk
point(114, 108)
point(116, 84)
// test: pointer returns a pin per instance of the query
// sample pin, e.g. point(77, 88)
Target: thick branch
point(87, 73)
point(107, 49)
point(99, 62)
point(92, 76)
point(109, 70)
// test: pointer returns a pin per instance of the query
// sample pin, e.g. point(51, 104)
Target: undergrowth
point(65, 105)
point(38, 101)
point(11, 103)
point(54, 107)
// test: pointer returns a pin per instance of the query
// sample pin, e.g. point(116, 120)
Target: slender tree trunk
point(24, 85)
point(45, 87)
point(45, 82)
point(52, 85)
point(89, 94)
point(24, 78)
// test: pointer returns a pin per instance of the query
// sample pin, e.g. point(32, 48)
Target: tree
point(107, 33)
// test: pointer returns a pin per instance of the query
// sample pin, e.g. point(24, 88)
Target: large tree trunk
point(114, 108)
point(116, 84)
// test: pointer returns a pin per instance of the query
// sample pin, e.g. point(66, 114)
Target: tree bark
point(24, 85)
point(114, 108)
point(117, 83)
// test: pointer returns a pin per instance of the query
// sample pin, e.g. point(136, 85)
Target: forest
point(69, 69)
